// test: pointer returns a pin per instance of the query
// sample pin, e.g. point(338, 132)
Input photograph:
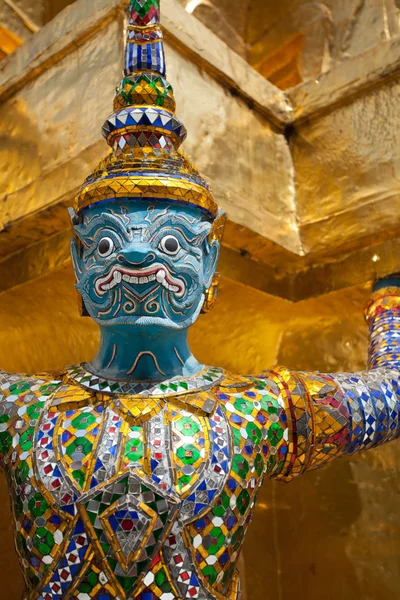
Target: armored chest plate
point(133, 496)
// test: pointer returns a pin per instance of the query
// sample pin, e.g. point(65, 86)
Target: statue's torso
point(121, 495)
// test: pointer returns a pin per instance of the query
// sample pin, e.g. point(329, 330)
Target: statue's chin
point(146, 321)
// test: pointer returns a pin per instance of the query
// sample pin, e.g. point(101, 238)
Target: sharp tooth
point(117, 276)
point(126, 278)
point(143, 280)
point(160, 276)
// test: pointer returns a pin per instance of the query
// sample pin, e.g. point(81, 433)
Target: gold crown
point(144, 132)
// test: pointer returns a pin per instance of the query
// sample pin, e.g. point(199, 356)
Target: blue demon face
point(144, 262)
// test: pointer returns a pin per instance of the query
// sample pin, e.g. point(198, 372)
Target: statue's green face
point(144, 262)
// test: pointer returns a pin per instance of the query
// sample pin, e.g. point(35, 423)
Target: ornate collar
point(206, 379)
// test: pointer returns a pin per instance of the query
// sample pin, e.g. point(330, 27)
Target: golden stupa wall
point(309, 178)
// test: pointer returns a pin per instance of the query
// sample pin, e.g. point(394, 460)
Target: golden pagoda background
point(293, 117)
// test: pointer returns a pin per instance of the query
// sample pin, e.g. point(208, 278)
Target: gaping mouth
point(157, 273)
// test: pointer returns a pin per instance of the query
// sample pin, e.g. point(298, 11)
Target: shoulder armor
point(235, 383)
point(19, 389)
point(21, 397)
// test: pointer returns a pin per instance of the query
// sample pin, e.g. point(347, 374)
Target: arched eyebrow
point(104, 219)
point(199, 230)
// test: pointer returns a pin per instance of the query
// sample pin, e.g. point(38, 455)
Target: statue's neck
point(143, 354)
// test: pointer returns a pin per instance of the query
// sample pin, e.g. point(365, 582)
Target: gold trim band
point(146, 187)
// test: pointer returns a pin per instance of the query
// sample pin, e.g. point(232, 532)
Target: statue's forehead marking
point(152, 215)
point(149, 220)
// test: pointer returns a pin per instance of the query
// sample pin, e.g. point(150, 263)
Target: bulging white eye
point(170, 245)
point(105, 247)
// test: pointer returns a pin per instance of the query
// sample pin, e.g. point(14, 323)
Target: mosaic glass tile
point(130, 490)
point(114, 500)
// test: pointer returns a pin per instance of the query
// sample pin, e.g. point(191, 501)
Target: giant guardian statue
point(135, 476)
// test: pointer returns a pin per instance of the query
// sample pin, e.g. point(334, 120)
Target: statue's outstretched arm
point(327, 416)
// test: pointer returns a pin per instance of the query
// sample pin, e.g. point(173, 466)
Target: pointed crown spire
point(143, 131)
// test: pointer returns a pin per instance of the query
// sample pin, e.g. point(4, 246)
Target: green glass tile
point(21, 472)
point(105, 546)
point(271, 462)
point(143, 10)
point(126, 583)
point(221, 505)
point(18, 507)
point(259, 465)
point(80, 446)
point(5, 442)
point(259, 383)
point(270, 405)
point(244, 406)
point(21, 544)
point(275, 433)
point(254, 433)
point(79, 477)
point(188, 426)
point(243, 501)
point(38, 505)
point(89, 581)
point(33, 411)
point(160, 577)
point(19, 388)
point(92, 578)
point(33, 579)
point(83, 421)
point(280, 466)
point(240, 465)
point(48, 388)
point(237, 538)
point(229, 573)
point(237, 437)
point(26, 439)
point(217, 540)
point(134, 450)
point(164, 516)
point(165, 587)
point(188, 453)
point(43, 541)
point(184, 480)
point(210, 574)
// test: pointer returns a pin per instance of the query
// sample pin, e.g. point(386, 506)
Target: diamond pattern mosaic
point(144, 132)
point(147, 491)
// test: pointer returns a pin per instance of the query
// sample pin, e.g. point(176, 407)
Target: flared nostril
point(136, 258)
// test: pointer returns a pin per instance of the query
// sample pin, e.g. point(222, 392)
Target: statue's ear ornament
point(218, 227)
point(73, 216)
point(216, 234)
point(83, 312)
point(211, 294)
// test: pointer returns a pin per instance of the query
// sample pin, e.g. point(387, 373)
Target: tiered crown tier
point(144, 132)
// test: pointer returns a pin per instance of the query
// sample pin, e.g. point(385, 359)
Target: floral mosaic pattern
point(142, 498)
